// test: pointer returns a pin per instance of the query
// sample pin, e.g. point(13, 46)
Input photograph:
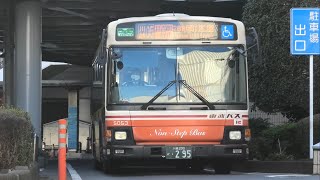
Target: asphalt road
point(85, 170)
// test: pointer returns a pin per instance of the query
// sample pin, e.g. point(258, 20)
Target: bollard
point(52, 151)
point(62, 167)
point(88, 145)
point(80, 147)
point(35, 148)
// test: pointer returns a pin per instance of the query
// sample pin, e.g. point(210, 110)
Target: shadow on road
point(141, 170)
point(158, 171)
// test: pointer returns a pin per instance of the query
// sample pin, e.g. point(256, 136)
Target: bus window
point(146, 71)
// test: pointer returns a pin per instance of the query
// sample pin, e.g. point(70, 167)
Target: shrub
point(280, 156)
point(16, 141)
point(303, 134)
point(282, 142)
point(304, 124)
point(258, 146)
point(257, 125)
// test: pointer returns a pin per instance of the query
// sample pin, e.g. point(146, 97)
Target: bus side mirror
point(119, 65)
point(253, 44)
point(115, 55)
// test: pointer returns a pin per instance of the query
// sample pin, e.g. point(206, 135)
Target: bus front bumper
point(205, 152)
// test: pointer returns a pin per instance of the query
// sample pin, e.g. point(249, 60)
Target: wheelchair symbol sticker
point(227, 32)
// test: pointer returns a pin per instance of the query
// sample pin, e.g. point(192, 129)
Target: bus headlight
point(120, 135)
point(235, 135)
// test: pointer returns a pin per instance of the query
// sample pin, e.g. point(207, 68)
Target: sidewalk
point(50, 172)
point(290, 166)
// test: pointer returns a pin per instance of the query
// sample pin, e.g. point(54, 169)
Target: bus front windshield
point(217, 73)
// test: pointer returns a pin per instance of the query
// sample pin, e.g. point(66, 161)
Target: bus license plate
point(173, 152)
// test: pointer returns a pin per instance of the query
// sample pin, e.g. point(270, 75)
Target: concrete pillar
point(28, 60)
point(84, 109)
point(73, 119)
point(8, 71)
point(85, 104)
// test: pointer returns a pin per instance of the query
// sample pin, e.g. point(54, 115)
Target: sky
point(44, 65)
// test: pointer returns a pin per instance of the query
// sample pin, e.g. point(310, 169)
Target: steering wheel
point(132, 83)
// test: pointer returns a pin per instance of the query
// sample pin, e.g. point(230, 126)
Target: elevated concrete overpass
point(71, 28)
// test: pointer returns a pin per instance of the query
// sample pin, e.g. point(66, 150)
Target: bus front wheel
point(222, 169)
point(109, 167)
point(97, 164)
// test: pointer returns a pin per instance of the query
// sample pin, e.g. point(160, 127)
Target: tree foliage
point(280, 82)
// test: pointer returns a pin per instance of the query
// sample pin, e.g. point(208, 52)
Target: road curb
point(300, 167)
point(22, 173)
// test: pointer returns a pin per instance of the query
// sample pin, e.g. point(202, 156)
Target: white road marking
point(210, 170)
point(287, 175)
point(254, 173)
point(73, 173)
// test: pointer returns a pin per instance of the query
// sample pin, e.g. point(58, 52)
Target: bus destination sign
point(176, 31)
point(125, 32)
point(168, 31)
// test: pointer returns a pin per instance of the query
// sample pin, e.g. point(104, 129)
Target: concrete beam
point(84, 60)
point(72, 34)
point(66, 11)
point(99, 13)
point(67, 22)
point(133, 5)
point(73, 28)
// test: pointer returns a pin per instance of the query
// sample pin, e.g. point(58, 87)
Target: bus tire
point(222, 169)
point(97, 164)
point(193, 168)
point(109, 167)
point(196, 167)
point(182, 167)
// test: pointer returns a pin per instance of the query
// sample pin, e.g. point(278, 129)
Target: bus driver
point(135, 79)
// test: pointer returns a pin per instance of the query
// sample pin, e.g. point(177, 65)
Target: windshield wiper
point(194, 92)
point(184, 83)
point(145, 106)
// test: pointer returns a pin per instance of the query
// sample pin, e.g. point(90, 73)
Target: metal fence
point(273, 118)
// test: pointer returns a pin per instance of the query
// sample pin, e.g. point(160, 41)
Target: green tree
point(280, 81)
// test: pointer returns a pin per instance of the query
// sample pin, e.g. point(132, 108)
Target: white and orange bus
point(169, 89)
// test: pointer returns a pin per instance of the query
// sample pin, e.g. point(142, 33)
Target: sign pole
point(304, 40)
point(311, 106)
